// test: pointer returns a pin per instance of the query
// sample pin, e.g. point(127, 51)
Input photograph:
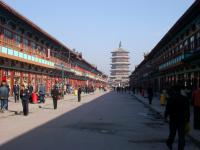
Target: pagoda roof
point(120, 50)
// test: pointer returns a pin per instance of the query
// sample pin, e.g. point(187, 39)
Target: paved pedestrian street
point(103, 121)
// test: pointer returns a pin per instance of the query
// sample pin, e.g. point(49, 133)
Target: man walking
point(79, 94)
point(196, 105)
point(30, 88)
point(4, 92)
point(25, 95)
point(150, 94)
point(16, 89)
point(178, 111)
point(42, 92)
point(55, 94)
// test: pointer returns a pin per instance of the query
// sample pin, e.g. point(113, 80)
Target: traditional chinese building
point(176, 58)
point(119, 67)
point(28, 53)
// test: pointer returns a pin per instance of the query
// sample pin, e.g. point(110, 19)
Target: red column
point(29, 77)
point(21, 78)
point(11, 81)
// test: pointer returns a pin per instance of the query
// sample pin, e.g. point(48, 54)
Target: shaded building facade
point(176, 58)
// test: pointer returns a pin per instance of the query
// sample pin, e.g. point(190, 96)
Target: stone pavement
point(16, 108)
point(13, 125)
point(194, 134)
point(101, 121)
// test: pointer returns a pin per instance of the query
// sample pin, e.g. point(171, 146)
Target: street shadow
point(58, 133)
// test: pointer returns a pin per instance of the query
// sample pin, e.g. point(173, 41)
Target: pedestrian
point(122, 89)
point(55, 95)
point(6, 101)
point(150, 94)
point(16, 89)
point(177, 109)
point(117, 89)
point(25, 95)
point(4, 92)
point(79, 94)
point(42, 91)
point(196, 108)
point(30, 88)
point(163, 97)
point(65, 89)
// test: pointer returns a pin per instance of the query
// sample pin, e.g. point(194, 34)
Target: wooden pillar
point(21, 77)
point(29, 77)
point(11, 81)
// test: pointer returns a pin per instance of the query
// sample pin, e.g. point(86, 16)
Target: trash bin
point(34, 98)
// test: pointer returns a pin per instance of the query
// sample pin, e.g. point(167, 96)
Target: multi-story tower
point(120, 67)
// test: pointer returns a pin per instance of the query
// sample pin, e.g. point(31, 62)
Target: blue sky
point(95, 27)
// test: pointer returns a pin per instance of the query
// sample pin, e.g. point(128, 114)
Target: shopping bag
point(187, 128)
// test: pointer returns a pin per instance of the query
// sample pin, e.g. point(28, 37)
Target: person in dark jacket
point(30, 88)
point(25, 95)
point(79, 94)
point(16, 89)
point(42, 92)
point(196, 108)
point(8, 87)
point(150, 94)
point(55, 95)
point(177, 109)
point(4, 92)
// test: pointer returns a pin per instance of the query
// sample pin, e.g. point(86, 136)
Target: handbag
point(187, 128)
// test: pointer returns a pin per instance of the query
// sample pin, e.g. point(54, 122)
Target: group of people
point(41, 92)
point(24, 92)
point(122, 89)
point(21, 92)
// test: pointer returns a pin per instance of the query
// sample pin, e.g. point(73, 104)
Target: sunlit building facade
point(29, 54)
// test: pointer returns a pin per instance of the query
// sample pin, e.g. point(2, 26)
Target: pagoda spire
point(120, 44)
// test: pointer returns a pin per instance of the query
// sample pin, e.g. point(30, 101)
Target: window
point(33, 45)
point(39, 47)
point(181, 46)
point(25, 42)
point(198, 35)
point(186, 45)
point(198, 39)
point(17, 40)
point(192, 46)
point(172, 51)
point(7, 36)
